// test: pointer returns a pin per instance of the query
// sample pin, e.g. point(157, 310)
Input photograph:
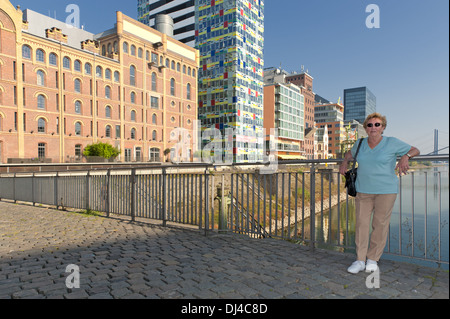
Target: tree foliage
point(104, 150)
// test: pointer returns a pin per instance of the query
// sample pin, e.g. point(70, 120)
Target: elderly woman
point(377, 187)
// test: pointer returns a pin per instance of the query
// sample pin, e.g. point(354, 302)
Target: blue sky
point(405, 62)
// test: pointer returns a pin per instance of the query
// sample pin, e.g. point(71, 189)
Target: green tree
point(104, 150)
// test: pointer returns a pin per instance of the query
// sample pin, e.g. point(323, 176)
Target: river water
point(420, 215)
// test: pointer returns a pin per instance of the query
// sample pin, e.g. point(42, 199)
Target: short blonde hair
point(376, 116)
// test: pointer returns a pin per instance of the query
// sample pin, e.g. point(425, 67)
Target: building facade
point(62, 88)
point(305, 81)
point(284, 111)
point(359, 103)
point(181, 11)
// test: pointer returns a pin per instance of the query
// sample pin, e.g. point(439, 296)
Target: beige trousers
point(381, 206)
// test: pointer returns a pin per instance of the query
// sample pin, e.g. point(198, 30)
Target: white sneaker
point(356, 267)
point(371, 265)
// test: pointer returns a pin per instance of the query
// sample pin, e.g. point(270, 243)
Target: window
point(40, 78)
point(133, 133)
point(99, 71)
point(117, 131)
point(41, 102)
point(188, 93)
point(41, 150)
point(108, 92)
point(172, 87)
point(125, 47)
point(108, 74)
point(41, 125)
point(53, 59)
point(154, 102)
point(78, 107)
point(116, 76)
point(77, 85)
point(133, 75)
point(153, 81)
point(78, 150)
point(133, 116)
point(78, 129)
point(133, 97)
point(88, 69)
point(26, 52)
point(154, 119)
point(77, 66)
point(108, 131)
point(173, 65)
point(140, 53)
point(178, 67)
point(108, 112)
point(167, 63)
point(154, 155)
point(40, 55)
point(133, 50)
point(154, 135)
point(66, 63)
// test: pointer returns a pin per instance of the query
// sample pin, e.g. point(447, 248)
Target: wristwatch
point(409, 156)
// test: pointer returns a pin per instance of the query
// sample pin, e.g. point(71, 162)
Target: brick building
point(63, 88)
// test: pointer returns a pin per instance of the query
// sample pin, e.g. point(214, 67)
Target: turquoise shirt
point(376, 167)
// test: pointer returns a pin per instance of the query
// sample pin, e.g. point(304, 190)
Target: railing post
point(87, 190)
point(163, 197)
point(312, 201)
point(55, 190)
point(108, 177)
point(133, 194)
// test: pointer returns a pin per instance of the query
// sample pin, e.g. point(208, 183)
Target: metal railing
point(303, 201)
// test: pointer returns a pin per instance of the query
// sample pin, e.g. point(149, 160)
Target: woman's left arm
point(403, 164)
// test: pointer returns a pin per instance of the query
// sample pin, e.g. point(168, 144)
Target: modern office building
point(284, 111)
point(359, 103)
point(63, 88)
point(230, 37)
point(181, 11)
point(305, 81)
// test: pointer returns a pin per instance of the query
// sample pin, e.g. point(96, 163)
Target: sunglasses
point(376, 125)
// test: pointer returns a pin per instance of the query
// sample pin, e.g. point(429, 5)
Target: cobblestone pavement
point(119, 259)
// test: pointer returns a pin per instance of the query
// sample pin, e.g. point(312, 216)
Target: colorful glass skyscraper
point(230, 37)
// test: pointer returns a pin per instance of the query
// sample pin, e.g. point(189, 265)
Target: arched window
point(78, 129)
point(108, 92)
point(66, 63)
point(154, 82)
point(133, 133)
point(77, 85)
point(77, 65)
point(99, 71)
point(108, 131)
point(133, 50)
point(41, 125)
point(77, 107)
point(125, 47)
point(40, 55)
point(167, 63)
point(53, 59)
point(173, 65)
point(116, 76)
point(154, 135)
point(133, 75)
point(88, 68)
point(154, 119)
point(41, 102)
point(172, 87)
point(40, 78)
point(26, 52)
point(108, 112)
point(133, 97)
point(133, 116)
point(188, 91)
point(108, 74)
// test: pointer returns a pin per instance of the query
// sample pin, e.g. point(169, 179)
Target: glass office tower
point(358, 104)
point(230, 37)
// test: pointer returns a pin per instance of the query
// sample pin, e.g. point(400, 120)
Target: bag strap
point(356, 155)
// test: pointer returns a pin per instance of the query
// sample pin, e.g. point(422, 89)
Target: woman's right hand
point(343, 168)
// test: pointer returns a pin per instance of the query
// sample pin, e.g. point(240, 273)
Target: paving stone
point(123, 260)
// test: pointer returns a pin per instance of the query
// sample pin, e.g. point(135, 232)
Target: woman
point(377, 187)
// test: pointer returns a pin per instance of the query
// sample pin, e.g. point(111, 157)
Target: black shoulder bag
point(350, 176)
